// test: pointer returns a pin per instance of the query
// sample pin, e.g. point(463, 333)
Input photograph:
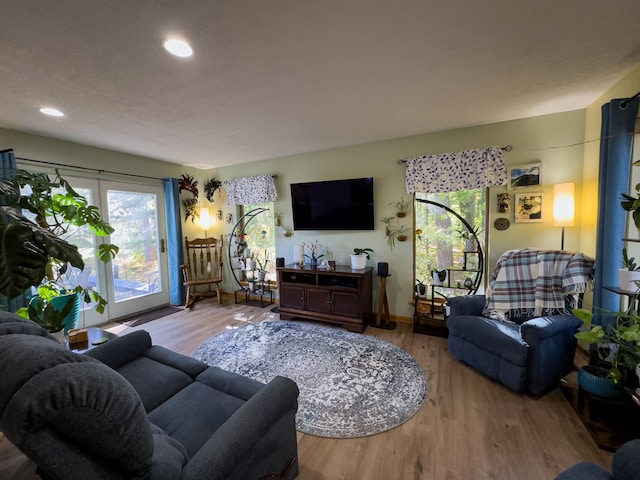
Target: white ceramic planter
point(358, 262)
point(627, 280)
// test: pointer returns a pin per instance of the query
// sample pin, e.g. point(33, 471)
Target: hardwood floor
point(469, 426)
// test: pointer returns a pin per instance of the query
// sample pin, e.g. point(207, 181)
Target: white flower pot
point(358, 262)
point(627, 280)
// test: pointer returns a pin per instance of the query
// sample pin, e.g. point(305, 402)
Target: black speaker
point(279, 262)
point(383, 269)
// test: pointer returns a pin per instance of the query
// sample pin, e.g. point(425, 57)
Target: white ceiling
point(271, 78)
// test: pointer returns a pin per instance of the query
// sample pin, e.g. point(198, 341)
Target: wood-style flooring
point(469, 427)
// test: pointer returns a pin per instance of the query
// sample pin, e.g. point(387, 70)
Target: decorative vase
point(358, 262)
point(421, 290)
point(627, 279)
point(439, 277)
point(261, 275)
point(314, 263)
point(470, 245)
point(596, 381)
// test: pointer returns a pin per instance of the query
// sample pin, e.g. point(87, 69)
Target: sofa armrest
point(626, 461)
point(537, 329)
point(466, 305)
point(552, 347)
point(257, 440)
point(121, 350)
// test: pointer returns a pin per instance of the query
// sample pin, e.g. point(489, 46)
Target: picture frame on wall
point(521, 176)
point(529, 207)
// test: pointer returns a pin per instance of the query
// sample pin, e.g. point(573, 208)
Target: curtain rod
point(98, 170)
point(506, 148)
point(626, 102)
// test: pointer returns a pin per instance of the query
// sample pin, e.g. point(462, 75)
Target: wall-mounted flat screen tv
point(333, 205)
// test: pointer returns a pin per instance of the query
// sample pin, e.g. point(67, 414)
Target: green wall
point(553, 140)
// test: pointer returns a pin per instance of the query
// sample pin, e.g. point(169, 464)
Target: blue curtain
point(616, 141)
point(174, 240)
point(7, 170)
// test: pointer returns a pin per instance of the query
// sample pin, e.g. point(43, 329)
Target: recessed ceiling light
point(52, 112)
point(178, 47)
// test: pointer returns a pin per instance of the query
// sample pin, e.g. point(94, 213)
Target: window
point(441, 237)
point(260, 236)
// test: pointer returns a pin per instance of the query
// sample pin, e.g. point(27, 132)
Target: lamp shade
point(564, 204)
point(205, 218)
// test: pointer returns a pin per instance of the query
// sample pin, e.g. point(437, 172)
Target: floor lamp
point(564, 206)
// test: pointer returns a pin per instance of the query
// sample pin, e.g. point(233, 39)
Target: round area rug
point(351, 385)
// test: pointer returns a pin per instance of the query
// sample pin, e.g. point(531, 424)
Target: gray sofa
point(531, 357)
point(131, 410)
point(625, 466)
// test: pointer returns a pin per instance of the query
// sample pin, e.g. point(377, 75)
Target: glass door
point(137, 277)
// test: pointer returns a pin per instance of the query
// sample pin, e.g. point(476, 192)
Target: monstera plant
point(36, 213)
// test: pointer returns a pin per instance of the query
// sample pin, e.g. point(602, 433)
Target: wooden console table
point(341, 295)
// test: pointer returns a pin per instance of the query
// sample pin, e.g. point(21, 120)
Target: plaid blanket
point(531, 283)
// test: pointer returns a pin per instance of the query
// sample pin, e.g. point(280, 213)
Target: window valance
point(248, 190)
point(450, 172)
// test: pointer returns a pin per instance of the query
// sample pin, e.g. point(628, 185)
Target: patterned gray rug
point(351, 385)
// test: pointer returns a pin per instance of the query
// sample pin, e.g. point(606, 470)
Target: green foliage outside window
point(439, 244)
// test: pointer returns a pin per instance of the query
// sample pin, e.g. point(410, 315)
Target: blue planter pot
point(72, 319)
point(596, 381)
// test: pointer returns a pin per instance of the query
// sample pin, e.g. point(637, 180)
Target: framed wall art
point(520, 176)
point(529, 207)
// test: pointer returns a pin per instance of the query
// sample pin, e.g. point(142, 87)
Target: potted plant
point(251, 281)
point(359, 258)
point(421, 289)
point(629, 274)
point(632, 204)
point(34, 251)
point(401, 207)
point(618, 342)
point(470, 238)
point(387, 222)
point(262, 263)
point(399, 233)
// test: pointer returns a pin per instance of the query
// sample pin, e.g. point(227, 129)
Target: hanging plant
point(191, 206)
point(188, 183)
point(210, 188)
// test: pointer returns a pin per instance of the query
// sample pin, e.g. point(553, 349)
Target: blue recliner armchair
point(530, 358)
point(522, 333)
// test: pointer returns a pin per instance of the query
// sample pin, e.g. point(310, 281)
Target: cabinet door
point(292, 296)
point(345, 303)
point(319, 300)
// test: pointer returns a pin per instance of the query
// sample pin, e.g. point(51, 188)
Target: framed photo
point(529, 207)
point(520, 176)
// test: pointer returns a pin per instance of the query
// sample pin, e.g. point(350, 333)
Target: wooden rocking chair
point(203, 267)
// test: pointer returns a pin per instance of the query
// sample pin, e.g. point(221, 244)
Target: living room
point(565, 143)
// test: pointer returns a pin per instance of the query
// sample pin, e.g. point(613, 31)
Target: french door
point(137, 278)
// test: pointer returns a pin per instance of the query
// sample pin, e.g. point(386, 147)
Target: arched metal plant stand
point(238, 229)
point(478, 280)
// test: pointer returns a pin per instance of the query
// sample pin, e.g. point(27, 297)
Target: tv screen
point(333, 205)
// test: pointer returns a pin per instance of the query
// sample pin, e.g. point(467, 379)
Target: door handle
point(162, 249)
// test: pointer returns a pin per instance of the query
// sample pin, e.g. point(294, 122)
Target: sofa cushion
point(193, 414)
point(82, 400)
point(500, 338)
point(154, 381)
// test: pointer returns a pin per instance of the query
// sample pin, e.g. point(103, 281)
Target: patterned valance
point(450, 172)
point(249, 190)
